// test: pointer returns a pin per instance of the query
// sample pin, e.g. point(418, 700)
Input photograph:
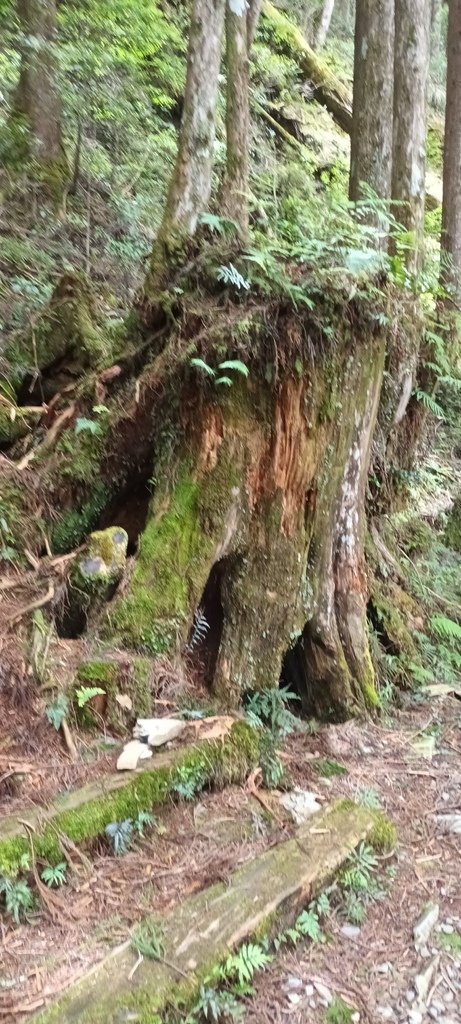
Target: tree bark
point(37, 100)
point(451, 207)
point(190, 185)
point(324, 24)
point(371, 139)
point(236, 182)
point(240, 31)
point(411, 67)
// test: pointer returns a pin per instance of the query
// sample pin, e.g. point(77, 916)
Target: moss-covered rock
point(94, 576)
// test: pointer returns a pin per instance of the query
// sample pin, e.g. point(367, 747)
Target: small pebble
point(323, 992)
point(433, 1013)
point(447, 929)
point(350, 931)
point(294, 998)
point(386, 1012)
point(410, 995)
point(415, 1017)
point(309, 990)
point(355, 1017)
point(384, 968)
point(293, 983)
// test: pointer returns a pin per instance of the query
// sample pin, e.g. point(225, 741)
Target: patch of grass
point(327, 768)
point(451, 942)
point(338, 1012)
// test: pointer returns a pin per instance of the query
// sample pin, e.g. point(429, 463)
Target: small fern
point(445, 629)
point(200, 628)
point(429, 403)
point(244, 964)
point(230, 275)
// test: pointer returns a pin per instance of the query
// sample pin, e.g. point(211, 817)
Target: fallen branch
point(40, 602)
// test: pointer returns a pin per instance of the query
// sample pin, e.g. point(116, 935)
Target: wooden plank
point(265, 894)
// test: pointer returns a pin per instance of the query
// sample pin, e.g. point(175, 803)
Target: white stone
point(355, 1017)
point(158, 730)
point(423, 981)
point(449, 823)
point(309, 990)
point(410, 995)
point(323, 992)
point(384, 968)
point(294, 998)
point(132, 752)
point(386, 1012)
point(300, 804)
point(415, 1017)
point(425, 923)
point(350, 931)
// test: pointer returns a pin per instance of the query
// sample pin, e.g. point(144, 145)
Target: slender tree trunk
point(411, 67)
point(451, 208)
point(371, 139)
point(324, 24)
point(190, 185)
point(240, 30)
point(37, 100)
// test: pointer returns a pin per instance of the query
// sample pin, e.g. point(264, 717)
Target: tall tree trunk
point(324, 24)
point(411, 67)
point(371, 139)
point(241, 26)
point(37, 100)
point(451, 208)
point(190, 185)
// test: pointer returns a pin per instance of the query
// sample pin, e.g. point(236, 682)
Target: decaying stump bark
point(251, 558)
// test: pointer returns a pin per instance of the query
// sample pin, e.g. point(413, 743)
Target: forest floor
point(372, 967)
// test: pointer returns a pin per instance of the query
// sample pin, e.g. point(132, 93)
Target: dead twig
point(39, 602)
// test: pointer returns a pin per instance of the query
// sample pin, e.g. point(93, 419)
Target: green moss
point(75, 524)
point(383, 836)
point(388, 609)
point(174, 558)
point(219, 763)
point(116, 677)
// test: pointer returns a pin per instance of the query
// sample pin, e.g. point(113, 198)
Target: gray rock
point(300, 804)
point(425, 923)
point(158, 731)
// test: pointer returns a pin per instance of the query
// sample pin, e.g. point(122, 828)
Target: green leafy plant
point(84, 425)
point(269, 761)
point(269, 708)
point(430, 403)
point(54, 876)
point(120, 836)
point(230, 275)
point(188, 780)
point(338, 1012)
point(86, 693)
point(368, 797)
point(327, 768)
point(445, 629)
point(218, 376)
point(244, 964)
point(216, 1004)
point(147, 940)
point(143, 822)
point(57, 711)
point(18, 897)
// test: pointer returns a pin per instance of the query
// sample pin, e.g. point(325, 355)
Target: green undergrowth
point(215, 763)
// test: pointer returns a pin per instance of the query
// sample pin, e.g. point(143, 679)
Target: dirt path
point(373, 967)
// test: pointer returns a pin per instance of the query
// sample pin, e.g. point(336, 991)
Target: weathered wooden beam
point(264, 896)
